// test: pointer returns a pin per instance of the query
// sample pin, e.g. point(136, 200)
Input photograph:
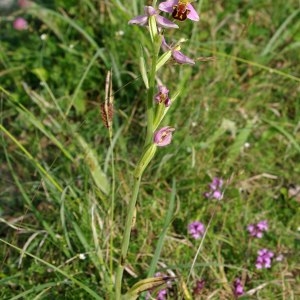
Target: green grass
point(237, 117)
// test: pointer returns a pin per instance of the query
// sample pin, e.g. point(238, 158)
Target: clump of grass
point(236, 117)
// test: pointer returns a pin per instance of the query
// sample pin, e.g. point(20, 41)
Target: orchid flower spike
point(150, 11)
point(180, 9)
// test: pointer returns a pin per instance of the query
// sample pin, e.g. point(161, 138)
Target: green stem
point(154, 53)
point(150, 96)
point(126, 237)
point(112, 201)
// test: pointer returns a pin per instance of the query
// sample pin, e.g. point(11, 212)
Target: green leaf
point(163, 59)
point(80, 284)
point(239, 142)
point(145, 285)
point(41, 73)
point(143, 68)
point(285, 133)
point(167, 221)
point(145, 160)
point(79, 103)
point(91, 160)
point(153, 28)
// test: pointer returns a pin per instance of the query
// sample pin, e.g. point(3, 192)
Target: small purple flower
point(150, 11)
point(257, 230)
point(196, 229)
point(198, 287)
point(264, 259)
point(215, 189)
point(163, 136)
point(216, 184)
point(238, 288)
point(162, 294)
point(262, 225)
point(176, 54)
point(163, 96)
point(180, 9)
point(20, 24)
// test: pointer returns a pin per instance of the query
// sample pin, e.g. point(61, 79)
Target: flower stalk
point(148, 154)
point(154, 138)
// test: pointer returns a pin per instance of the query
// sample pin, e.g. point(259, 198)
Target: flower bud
point(163, 96)
point(163, 136)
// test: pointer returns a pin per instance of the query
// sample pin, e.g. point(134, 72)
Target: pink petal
point(164, 45)
point(217, 195)
point(181, 58)
point(250, 228)
point(192, 15)
point(258, 266)
point(167, 6)
point(163, 89)
point(165, 23)
point(139, 20)
point(163, 136)
point(262, 225)
point(20, 24)
point(259, 235)
point(149, 10)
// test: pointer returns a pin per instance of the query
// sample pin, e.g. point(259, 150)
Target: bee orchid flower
point(163, 136)
point(180, 9)
point(163, 96)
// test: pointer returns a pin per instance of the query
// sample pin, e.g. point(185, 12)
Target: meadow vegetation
point(66, 184)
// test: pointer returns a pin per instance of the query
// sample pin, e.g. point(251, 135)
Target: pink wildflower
point(257, 230)
point(238, 288)
point(163, 136)
point(163, 96)
point(20, 24)
point(196, 229)
point(180, 9)
point(215, 189)
point(264, 259)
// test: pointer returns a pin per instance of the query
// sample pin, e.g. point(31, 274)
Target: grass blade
point(91, 160)
point(75, 281)
point(285, 133)
point(271, 45)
